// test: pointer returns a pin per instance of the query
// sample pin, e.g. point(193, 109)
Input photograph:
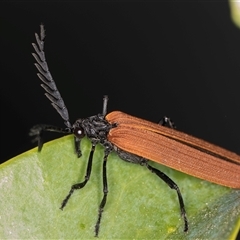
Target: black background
point(180, 59)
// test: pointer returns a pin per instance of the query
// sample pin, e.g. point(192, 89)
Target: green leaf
point(234, 6)
point(139, 204)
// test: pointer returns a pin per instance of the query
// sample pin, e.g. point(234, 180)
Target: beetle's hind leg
point(129, 157)
point(174, 186)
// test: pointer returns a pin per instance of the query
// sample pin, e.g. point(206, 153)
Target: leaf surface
point(139, 204)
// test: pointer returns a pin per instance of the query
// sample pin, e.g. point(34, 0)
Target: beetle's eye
point(79, 132)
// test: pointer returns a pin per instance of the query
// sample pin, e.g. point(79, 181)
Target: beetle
point(135, 140)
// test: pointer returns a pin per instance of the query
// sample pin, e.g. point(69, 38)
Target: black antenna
point(49, 85)
point(105, 101)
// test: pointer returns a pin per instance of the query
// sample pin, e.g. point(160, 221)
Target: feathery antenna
point(44, 74)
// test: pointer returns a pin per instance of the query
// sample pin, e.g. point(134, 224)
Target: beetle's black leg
point(105, 192)
point(129, 157)
point(82, 184)
point(174, 186)
point(166, 121)
point(38, 130)
point(77, 142)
